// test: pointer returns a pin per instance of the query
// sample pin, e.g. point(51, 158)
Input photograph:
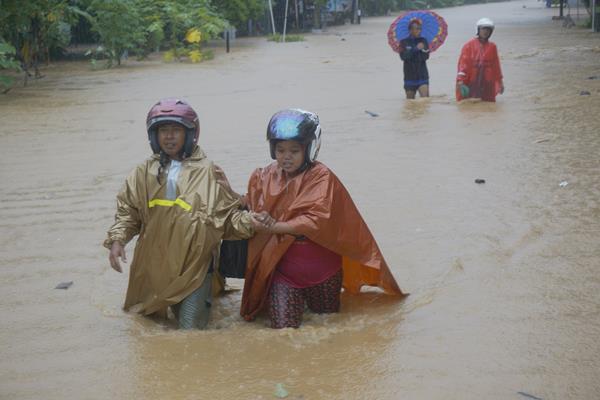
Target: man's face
point(171, 138)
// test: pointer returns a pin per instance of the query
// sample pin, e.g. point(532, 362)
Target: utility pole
point(561, 5)
point(594, 17)
point(285, 18)
point(272, 18)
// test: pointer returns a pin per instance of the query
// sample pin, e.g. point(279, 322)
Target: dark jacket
point(415, 67)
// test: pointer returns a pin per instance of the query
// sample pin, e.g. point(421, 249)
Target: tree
point(238, 12)
point(378, 7)
point(118, 24)
point(168, 22)
point(7, 62)
point(35, 28)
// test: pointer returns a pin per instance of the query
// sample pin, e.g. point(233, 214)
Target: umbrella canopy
point(433, 26)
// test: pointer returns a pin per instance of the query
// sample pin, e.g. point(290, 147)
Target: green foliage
point(117, 23)
point(288, 38)
point(7, 62)
point(38, 29)
point(35, 28)
point(238, 12)
point(587, 23)
point(101, 53)
point(168, 21)
point(379, 7)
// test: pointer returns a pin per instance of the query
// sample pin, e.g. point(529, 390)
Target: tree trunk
point(317, 17)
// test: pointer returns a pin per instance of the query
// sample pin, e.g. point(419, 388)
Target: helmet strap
point(163, 161)
point(188, 145)
point(305, 166)
point(153, 139)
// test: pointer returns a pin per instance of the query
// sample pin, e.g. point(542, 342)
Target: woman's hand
point(263, 222)
point(462, 89)
point(117, 250)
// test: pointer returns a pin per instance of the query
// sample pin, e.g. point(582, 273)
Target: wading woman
point(479, 74)
point(317, 241)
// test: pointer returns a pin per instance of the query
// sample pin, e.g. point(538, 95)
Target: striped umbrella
point(433, 26)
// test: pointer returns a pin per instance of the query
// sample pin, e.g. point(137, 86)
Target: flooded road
point(504, 277)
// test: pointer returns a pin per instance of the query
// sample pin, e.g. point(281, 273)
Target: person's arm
point(462, 77)
point(499, 70)
point(463, 65)
point(223, 181)
point(283, 228)
point(424, 50)
point(406, 52)
point(127, 224)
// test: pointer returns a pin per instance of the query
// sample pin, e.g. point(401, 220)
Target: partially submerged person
point(414, 51)
point(479, 73)
point(317, 242)
point(173, 201)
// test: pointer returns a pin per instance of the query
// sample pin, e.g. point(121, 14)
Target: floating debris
point(371, 113)
point(563, 184)
point(64, 285)
point(280, 391)
point(529, 396)
point(584, 93)
point(479, 181)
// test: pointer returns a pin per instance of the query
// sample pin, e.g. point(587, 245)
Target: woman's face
point(289, 155)
point(485, 33)
point(415, 30)
point(171, 138)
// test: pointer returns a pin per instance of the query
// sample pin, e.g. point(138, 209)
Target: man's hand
point(264, 218)
point(420, 46)
point(117, 250)
point(262, 221)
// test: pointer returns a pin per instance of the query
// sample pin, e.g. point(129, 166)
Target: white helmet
point(485, 23)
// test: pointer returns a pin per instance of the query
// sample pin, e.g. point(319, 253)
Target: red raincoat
point(479, 69)
point(315, 204)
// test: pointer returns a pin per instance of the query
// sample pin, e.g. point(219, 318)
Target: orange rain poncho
point(315, 204)
point(479, 69)
point(179, 238)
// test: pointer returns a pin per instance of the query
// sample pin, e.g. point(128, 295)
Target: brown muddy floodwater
point(504, 276)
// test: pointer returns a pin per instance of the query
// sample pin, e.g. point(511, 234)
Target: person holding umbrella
point(479, 73)
point(415, 53)
point(414, 35)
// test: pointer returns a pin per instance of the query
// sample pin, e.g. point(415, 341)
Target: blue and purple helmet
point(298, 125)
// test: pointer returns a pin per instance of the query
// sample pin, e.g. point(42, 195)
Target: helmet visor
point(168, 118)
